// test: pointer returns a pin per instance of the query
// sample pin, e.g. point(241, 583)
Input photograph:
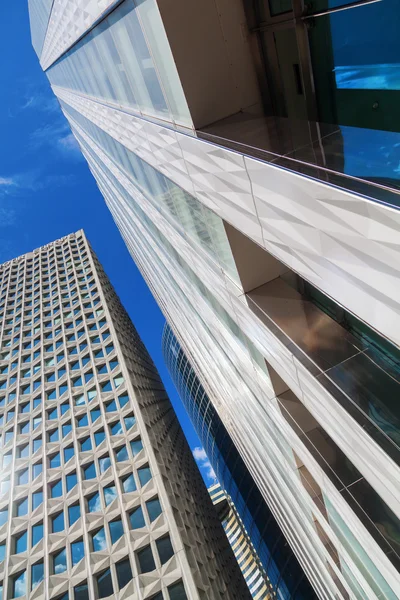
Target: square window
point(37, 574)
point(144, 475)
point(23, 477)
point(71, 481)
point(176, 591)
point(22, 507)
point(89, 472)
point(56, 489)
point(57, 523)
point(104, 584)
point(129, 484)
point(136, 446)
point(37, 469)
point(55, 461)
point(137, 519)
point(153, 508)
point(121, 454)
point(37, 499)
point(37, 533)
point(37, 443)
point(99, 541)
point(146, 560)
point(23, 451)
point(94, 503)
point(68, 453)
point(86, 444)
point(110, 493)
point(99, 437)
point(21, 542)
point(60, 562)
point(129, 421)
point(94, 414)
point(104, 463)
point(124, 573)
point(19, 585)
point(116, 428)
point(111, 406)
point(24, 428)
point(116, 530)
point(74, 513)
point(165, 549)
point(83, 421)
point(81, 592)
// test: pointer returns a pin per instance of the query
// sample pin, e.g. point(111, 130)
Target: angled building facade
point(248, 152)
point(100, 496)
point(255, 578)
point(270, 565)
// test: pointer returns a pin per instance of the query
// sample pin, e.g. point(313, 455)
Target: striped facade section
point(242, 547)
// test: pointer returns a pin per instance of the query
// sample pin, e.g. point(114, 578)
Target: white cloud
point(57, 136)
point(69, 143)
point(33, 181)
point(7, 181)
point(204, 464)
point(199, 454)
point(42, 102)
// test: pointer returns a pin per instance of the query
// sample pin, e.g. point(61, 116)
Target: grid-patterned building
point(249, 152)
point(99, 494)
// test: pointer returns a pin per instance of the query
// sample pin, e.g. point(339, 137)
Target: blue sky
point(47, 191)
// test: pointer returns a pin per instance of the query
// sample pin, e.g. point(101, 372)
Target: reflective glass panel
point(124, 573)
point(60, 562)
point(146, 560)
point(77, 552)
point(116, 530)
point(99, 540)
point(37, 533)
point(137, 519)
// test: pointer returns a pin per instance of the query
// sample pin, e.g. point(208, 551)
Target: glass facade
point(285, 576)
point(39, 12)
point(261, 143)
point(114, 62)
point(191, 218)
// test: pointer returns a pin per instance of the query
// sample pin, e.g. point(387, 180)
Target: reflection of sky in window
point(366, 36)
point(77, 552)
point(60, 562)
point(99, 541)
point(109, 494)
point(20, 585)
point(129, 484)
point(372, 154)
point(94, 503)
point(368, 77)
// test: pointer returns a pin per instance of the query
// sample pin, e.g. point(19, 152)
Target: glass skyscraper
point(270, 550)
point(241, 545)
point(249, 154)
point(97, 483)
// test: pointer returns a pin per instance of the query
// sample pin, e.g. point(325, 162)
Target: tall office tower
point(268, 546)
point(100, 495)
point(248, 151)
point(241, 544)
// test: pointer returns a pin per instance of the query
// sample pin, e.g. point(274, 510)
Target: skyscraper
point(100, 496)
point(260, 533)
point(249, 154)
point(241, 545)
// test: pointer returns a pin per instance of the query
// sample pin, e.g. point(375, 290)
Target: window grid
point(58, 320)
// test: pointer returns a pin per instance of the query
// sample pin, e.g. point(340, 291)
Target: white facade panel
point(304, 223)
